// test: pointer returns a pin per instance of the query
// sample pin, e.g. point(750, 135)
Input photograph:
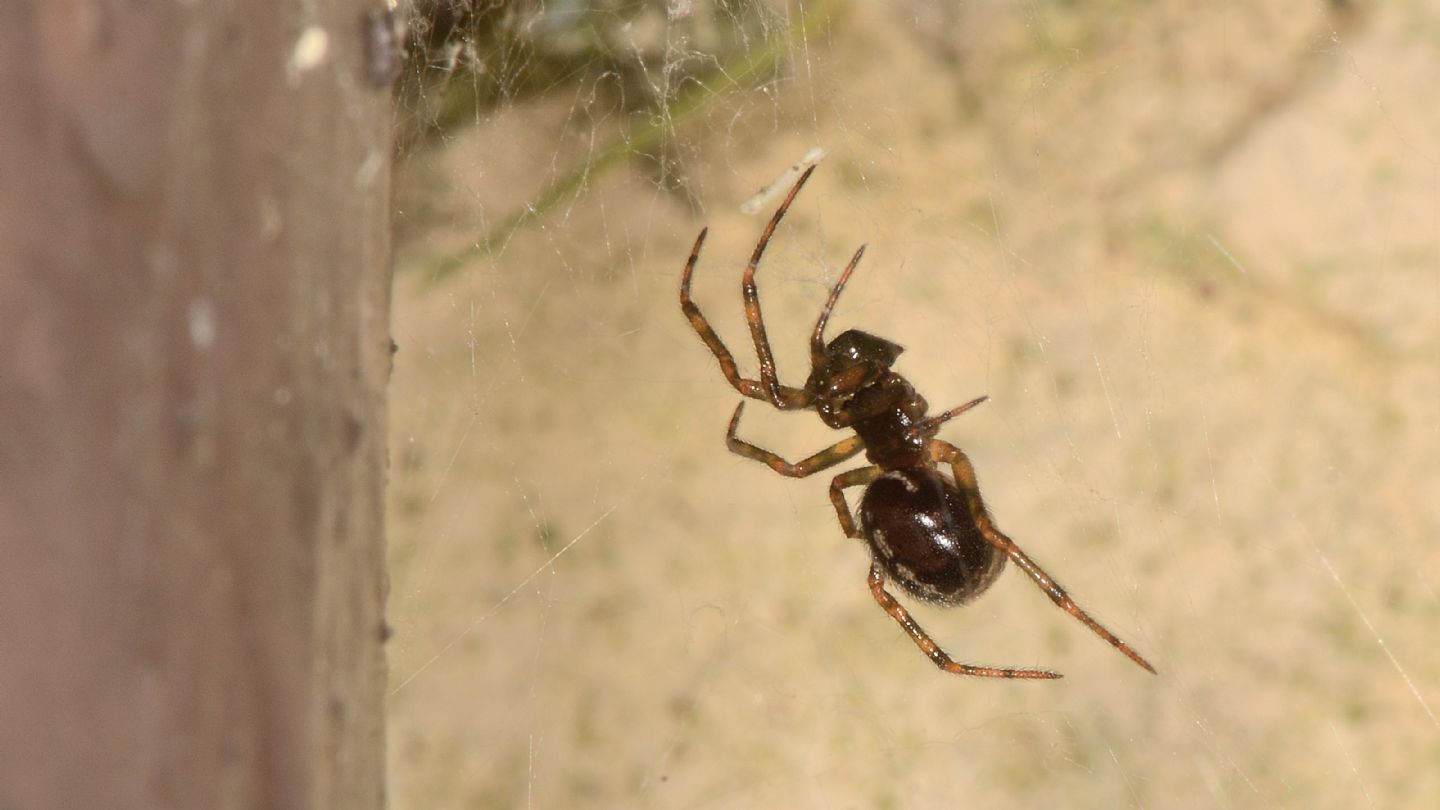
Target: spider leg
point(965, 478)
point(817, 338)
point(928, 646)
point(749, 388)
point(927, 427)
point(829, 457)
point(781, 396)
point(852, 478)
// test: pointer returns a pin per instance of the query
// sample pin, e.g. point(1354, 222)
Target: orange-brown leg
point(965, 478)
point(791, 397)
point(928, 645)
point(780, 396)
point(843, 481)
point(927, 427)
point(817, 337)
point(829, 457)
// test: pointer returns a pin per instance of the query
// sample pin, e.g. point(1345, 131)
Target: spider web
point(1191, 253)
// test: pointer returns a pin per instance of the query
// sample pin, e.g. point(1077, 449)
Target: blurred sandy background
point(1192, 253)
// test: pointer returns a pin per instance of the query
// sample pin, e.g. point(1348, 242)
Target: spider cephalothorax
point(853, 364)
point(929, 532)
point(853, 348)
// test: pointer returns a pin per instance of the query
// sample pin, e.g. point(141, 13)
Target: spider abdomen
point(919, 529)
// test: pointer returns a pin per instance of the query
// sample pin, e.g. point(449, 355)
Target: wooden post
point(194, 349)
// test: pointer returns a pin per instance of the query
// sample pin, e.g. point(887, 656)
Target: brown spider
point(930, 533)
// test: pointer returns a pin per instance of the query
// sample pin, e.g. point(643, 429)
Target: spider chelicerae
point(929, 532)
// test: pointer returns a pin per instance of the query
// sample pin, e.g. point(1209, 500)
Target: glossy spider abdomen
point(920, 530)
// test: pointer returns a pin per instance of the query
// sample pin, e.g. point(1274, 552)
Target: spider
point(930, 533)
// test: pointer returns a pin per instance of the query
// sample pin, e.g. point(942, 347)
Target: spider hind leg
point(932, 650)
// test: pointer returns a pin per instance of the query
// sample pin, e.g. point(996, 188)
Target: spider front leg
point(829, 457)
point(769, 378)
point(785, 398)
point(969, 486)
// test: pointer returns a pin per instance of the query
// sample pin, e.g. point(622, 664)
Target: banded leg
point(780, 396)
point(793, 397)
point(843, 481)
point(817, 338)
point(932, 650)
point(928, 427)
point(965, 478)
point(829, 457)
